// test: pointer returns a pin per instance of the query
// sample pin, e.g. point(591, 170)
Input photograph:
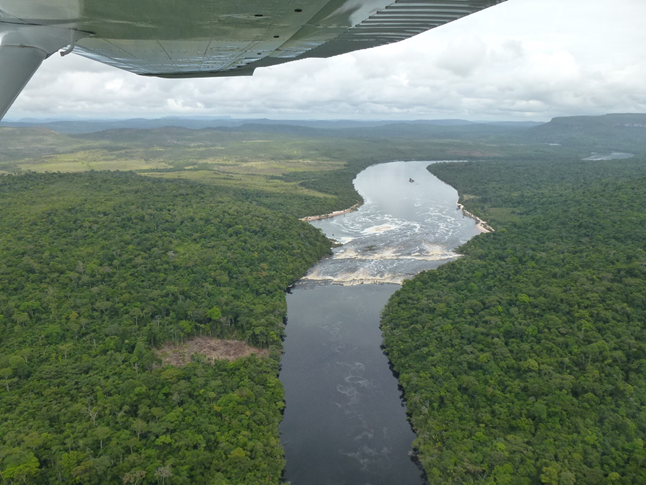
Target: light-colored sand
point(482, 225)
point(332, 214)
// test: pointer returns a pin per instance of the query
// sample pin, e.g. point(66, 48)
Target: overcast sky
point(521, 60)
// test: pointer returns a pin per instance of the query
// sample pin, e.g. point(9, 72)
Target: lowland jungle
point(143, 272)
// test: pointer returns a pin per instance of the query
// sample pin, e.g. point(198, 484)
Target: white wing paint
point(205, 38)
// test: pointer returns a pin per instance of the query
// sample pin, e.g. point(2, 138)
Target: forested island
point(524, 362)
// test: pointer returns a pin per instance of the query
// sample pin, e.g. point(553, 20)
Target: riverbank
point(482, 225)
point(332, 214)
point(333, 366)
point(339, 388)
point(535, 275)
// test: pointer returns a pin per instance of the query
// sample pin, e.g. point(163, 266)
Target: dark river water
point(345, 421)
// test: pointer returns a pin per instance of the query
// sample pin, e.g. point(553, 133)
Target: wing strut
point(23, 48)
point(17, 66)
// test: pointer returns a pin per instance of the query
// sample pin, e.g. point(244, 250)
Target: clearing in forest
point(213, 349)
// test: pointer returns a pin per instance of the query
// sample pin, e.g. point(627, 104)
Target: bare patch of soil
point(214, 349)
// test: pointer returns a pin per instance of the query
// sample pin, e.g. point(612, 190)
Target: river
point(345, 420)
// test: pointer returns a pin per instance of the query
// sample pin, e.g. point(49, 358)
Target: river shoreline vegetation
point(116, 243)
point(523, 361)
point(98, 270)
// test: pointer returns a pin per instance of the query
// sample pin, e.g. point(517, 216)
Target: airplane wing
point(205, 38)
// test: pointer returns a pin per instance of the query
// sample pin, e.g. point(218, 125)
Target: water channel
point(345, 421)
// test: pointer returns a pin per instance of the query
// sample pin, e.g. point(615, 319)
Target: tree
point(22, 467)
point(139, 427)
point(162, 473)
point(102, 433)
point(92, 412)
point(6, 374)
point(134, 476)
point(214, 314)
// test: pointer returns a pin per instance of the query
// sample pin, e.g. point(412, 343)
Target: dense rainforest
point(524, 362)
point(100, 269)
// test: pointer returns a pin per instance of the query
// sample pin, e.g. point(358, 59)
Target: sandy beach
point(482, 225)
point(332, 214)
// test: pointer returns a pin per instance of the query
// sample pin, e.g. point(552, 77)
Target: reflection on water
point(403, 228)
point(345, 422)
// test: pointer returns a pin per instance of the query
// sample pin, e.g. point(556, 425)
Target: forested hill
point(618, 132)
point(100, 269)
point(524, 362)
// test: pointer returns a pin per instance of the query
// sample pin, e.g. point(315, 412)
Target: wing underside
point(237, 44)
point(205, 38)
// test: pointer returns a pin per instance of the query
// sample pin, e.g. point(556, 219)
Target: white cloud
point(525, 59)
point(463, 55)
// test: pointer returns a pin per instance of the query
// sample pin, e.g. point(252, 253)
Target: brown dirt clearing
point(214, 349)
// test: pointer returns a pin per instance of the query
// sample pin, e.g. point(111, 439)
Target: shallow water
point(345, 421)
point(403, 228)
